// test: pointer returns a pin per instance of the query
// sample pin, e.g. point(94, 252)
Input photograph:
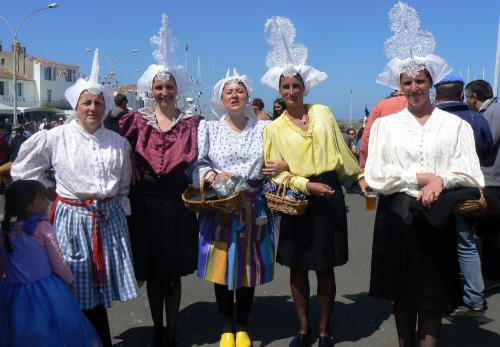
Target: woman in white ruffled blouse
point(412, 157)
point(93, 173)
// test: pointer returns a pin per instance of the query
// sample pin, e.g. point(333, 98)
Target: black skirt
point(316, 240)
point(413, 263)
point(163, 233)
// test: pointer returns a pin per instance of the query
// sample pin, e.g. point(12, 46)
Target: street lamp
point(110, 63)
point(14, 51)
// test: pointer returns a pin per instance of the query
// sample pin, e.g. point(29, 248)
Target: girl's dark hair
point(280, 101)
point(18, 196)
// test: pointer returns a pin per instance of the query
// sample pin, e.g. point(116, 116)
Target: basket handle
point(283, 186)
point(202, 185)
point(472, 179)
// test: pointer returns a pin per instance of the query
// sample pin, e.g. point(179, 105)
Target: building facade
point(40, 85)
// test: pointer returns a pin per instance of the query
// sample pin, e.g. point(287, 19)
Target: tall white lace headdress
point(410, 49)
point(234, 79)
point(165, 45)
point(92, 85)
point(286, 57)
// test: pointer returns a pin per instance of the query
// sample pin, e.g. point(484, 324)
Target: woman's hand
point(424, 178)
point(319, 189)
point(363, 185)
point(274, 167)
point(431, 191)
point(218, 177)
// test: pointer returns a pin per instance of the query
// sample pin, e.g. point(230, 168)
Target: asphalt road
point(357, 319)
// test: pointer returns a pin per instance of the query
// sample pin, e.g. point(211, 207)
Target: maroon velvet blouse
point(161, 153)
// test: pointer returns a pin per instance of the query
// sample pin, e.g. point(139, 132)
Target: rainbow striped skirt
point(237, 249)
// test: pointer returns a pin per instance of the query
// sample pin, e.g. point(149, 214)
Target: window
point(49, 95)
point(2, 88)
point(2, 61)
point(48, 73)
point(69, 75)
point(19, 89)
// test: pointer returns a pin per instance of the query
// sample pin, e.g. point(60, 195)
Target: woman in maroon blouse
point(163, 232)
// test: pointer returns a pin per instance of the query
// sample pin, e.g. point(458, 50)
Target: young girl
point(37, 307)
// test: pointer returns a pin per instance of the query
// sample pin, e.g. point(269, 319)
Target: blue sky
point(345, 38)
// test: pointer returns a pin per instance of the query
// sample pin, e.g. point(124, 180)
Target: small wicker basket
point(472, 208)
point(224, 205)
point(279, 202)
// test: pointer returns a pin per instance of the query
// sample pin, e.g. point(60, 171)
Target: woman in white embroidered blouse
point(236, 251)
point(93, 173)
point(412, 156)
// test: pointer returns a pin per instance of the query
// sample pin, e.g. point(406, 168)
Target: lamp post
point(14, 51)
point(110, 63)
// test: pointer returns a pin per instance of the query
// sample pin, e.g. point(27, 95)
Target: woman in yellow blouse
point(308, 139)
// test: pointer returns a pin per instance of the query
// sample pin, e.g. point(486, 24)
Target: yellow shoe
point(227, 340)
point(242, 339)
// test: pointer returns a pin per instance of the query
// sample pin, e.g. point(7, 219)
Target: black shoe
point(300, 340)
point(325, 341)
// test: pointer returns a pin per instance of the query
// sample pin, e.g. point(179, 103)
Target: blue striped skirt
point(74, 231)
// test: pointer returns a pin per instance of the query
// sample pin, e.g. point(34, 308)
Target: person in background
point(279, 106)
point(43, 124)
point(359, 136)
point(449, 97)
point(351, 132)
point(113, 118)
point(4, 157)
point(396, 102)
point(16, 139)
point(480, 98)
point(258, 108)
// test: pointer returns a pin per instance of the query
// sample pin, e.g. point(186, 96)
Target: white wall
point(28, 99)
point(57, 86)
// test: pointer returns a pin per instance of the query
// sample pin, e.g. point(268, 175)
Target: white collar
point(149, 115)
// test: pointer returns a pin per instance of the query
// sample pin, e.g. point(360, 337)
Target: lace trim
point(150, 118)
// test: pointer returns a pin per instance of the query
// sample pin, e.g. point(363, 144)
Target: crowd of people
point(118, 218)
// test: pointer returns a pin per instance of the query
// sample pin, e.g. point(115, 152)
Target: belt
point(98, 267)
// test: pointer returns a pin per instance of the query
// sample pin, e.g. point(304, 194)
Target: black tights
point(299, 283)
point(429, 327)
point(225, 303)
point(99, 319)
point(164, 294)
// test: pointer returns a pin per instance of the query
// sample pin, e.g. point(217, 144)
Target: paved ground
point(357, 319)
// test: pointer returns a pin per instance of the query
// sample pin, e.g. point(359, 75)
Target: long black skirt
point(413, 263)
point(163, 233)
point(316, 240)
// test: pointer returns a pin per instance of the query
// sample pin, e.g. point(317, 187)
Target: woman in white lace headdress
point(92, 173)
point(412, 157)
point(163, 232)
point(236, 251)
point(307, 138)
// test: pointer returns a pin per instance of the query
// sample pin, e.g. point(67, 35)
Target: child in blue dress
point(37, 308)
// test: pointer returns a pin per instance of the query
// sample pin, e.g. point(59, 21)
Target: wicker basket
point(279, 202)
point(472, 208)
point(224, 205)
